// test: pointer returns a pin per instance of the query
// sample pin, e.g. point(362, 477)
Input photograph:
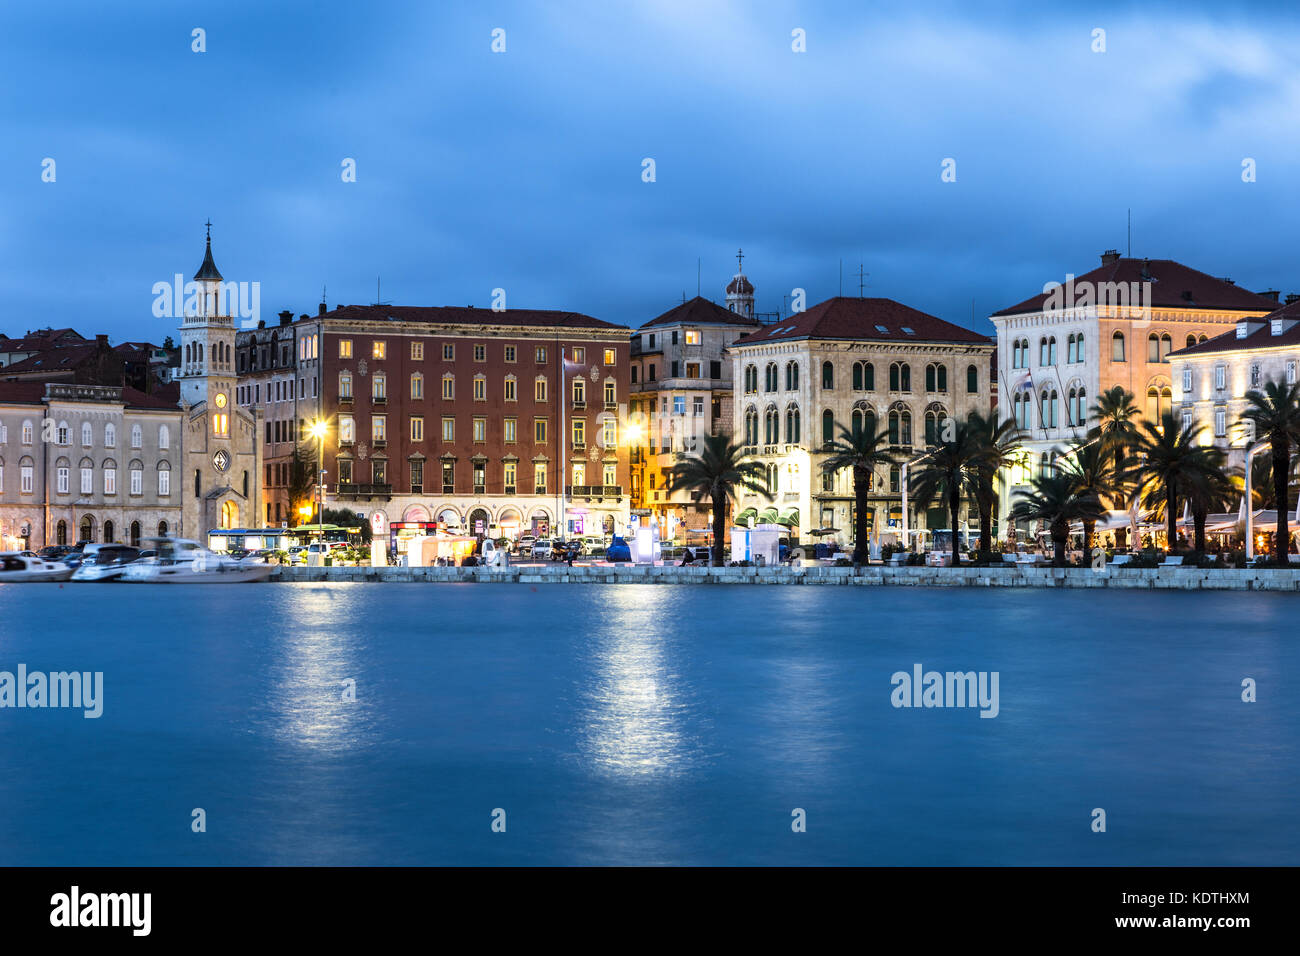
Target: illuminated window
point(579, 433)
point(480, 388)
point(512, 391)
point(449, 429)
point(692, 336)
point(379, 349)
point(417, 351)
point(511, 430)
point(579, 355)
point(417, 386)
point(539, 389)
point(610, 356)
point(379, 428)
point(220, 424)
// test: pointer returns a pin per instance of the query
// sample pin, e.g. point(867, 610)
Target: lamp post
point(1251, 452)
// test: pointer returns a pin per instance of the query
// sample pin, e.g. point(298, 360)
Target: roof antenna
point(698, 268)
point(841, 277)
point(862, 279)
point(1130, 233)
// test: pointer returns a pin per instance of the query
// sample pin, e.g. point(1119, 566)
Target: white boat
point(16, 567)
point(179, 561)
point(101, 568)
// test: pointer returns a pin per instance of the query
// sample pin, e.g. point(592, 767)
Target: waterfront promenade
point(1171, 578)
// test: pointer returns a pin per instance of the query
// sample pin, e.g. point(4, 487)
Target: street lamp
point(317, 431)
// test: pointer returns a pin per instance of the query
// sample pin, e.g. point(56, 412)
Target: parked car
point(54, 552)
point(525, 544)
point(618, 550)
point(541, 548)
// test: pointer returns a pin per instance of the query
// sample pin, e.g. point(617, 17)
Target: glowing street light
point(317, 430)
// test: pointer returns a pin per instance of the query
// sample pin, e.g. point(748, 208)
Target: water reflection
point(633, 707)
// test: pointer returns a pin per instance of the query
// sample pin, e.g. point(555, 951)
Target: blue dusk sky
point(523, 169)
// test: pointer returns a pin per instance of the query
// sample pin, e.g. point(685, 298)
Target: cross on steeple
point(740, 260)
point(209, 225)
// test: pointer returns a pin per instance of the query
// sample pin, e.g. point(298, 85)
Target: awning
point(769, 516)
point(789, 517)
point(742, 519)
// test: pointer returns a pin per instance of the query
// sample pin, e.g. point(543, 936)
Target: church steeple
point(740, 291)
point(208, 271)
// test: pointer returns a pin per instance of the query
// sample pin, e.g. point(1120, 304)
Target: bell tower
point(740, 291)
point(208, 344)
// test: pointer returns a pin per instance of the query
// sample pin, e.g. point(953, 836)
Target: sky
point(524, 170)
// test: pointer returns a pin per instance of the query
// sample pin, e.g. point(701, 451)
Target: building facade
point(267, 370)
point(1116, 325)
point(1212, 378)
point(87, 463)
point(681, 383)
point(865, 363)
point(487, 422)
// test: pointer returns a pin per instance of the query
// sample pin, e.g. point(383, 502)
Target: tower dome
point(740, 291)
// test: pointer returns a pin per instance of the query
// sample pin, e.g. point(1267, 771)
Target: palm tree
point(1210, 489)
point(953, 467)
point(1169, 458)
point(1094, 467)
point(719, 471)
point(1116, 412)
point(863, 452)
point(1275, 413)
point(1056, 499)
point(999, 444)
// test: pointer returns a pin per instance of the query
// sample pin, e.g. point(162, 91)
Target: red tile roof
point(1173, 285)
point(468, 315)
point(33, 393)
point(1261, 338)
point(22, 393)
point(700, 311)
point(882, 320)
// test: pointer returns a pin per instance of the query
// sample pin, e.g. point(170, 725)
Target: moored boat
point(179, 561)
point(16, 567)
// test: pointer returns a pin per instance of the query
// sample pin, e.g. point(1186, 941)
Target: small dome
point(740, 286)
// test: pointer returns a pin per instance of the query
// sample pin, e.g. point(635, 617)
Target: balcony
point(510, 489)
point(345, 400)
point(379, 443)
point(579, 446)
point(611, 406)
point(346, 442)
point(379, 399)
point(480, 489)
point(594, 491)
point(579, 403)
point(351, 490)
point(448, 489)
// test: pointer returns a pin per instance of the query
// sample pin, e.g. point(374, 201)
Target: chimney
point(1109, 257)
point(286, 317)
point(303, 317)
point(101, 341)
point(1291, 297)
point(321, 310)
point(1146, 268)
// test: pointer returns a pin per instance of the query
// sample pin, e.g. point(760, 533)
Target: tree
point(1094, 468)
point(719, 471)
point(863, 452)
point(302, 471)
point(999, 444)
point(1116, 412)
point(1056, 499)
point(1275, 413)
point(347, 519)
point(168, 343)
point(951, 469)
point(1209, 489)
point(1168, 457)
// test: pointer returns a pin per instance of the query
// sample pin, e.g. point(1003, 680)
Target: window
point(417, 351)
point(110, 436)
point(1117, 347)
point(480, 352)
point(1254, 376)
point(715, 370)
point(579, 473)
point(448, 477)
point(1047, 408)
point(1220, 422)
point(511, 430)
point(379, 387)
point(692, 336)
point(1187, 418)
point(769, 378)
point(651, 377)
point(539, 389)
point(579, 433)
point(697, 406)
point(1220, 377)
point(510, 353)
point(676, 368)
point(449, 429)
point(87, 435)
point(828, 375)
point(417, 477)
point(417, 386)
point(610, 356)
point(448, 352)
point(480, 388)
point(345, 348)
point(137, 481)
point(893, 479)
point(164, 481)
point(87, 480)
point(972, 379)
point(379, 429)
point(539, 431)
point(512, 389)
point(511, 471)
point(692, 369)
point(539, 478)
point(347, 430)
point(1187, 382)
point(1290, 373)
point(610, 476)
point(679, 404)
point(110, 481)
point(611, 395)
point(379, 471)
point(379, 349)
point(417, 428)
point(770, 427)
point(579, 355)
point(448, 387)
point(480, 429)
point(792, 425)
point(62, 481)
point(345, 386)
point(25, 479)
point(579, 393)
point(609, 433)
point(539, 354)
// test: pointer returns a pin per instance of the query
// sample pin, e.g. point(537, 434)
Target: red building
point(492, 422)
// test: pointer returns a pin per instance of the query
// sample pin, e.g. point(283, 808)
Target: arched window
point(856, 422)
point(792, 376)
point(893, 428)
point(61, 533)
point(162, 529)
point(1201, 339)
point(108, 532)
point(1081, 407)
point(137, 436)
point(868, 377)
point(1047, 412)
point(1191, 340)
point(792, 425)
point(972, 379)
point(905, 376)
point(1117, 347)
point(931, 429)
point(1166, 346)
point(135, 534)
point(164, 437)
point(771, 428)
point(87, 529)
point(63, 436)
point(930, 384)
point(828, 376)
point(769, 385)
point(894, 378)
point(828, 427)
point(1023, 403)
point(87, 435)
point(857, 376)
point(751, 379)
point(110, 435)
